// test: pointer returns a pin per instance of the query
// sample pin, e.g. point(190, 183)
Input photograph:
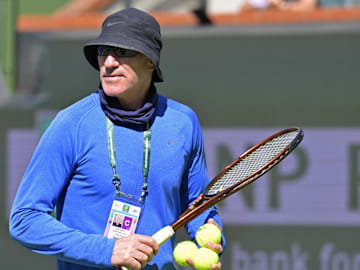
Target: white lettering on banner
point(295, 259)
point(330, 259)
point(318, 184)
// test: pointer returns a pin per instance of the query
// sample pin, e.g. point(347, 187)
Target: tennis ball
point(184, 250)
point(208, 233)
point(204, 258)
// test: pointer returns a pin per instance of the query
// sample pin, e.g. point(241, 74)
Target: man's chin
point(113, 91)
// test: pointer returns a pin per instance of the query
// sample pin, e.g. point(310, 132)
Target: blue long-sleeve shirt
point(70, 170)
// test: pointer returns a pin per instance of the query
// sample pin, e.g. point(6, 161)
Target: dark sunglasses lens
point(121, 52)
point(103, 50)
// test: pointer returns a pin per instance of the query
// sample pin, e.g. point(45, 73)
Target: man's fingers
point(216, 247)
point(216, 266)
point(147, 250)
point(150, 241)
point(134, 251)
point(212, 221)
point(190, 261)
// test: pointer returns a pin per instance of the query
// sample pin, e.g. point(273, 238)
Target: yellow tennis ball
point(184, 250)
point(208, 233)
point(204, 258)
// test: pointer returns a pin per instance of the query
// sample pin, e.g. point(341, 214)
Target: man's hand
point(134, 251)
point(216, 247)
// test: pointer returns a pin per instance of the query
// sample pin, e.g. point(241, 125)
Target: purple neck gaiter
point(137, 119)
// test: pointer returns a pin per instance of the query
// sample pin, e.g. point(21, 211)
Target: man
point(95, 161)
point(117, 221)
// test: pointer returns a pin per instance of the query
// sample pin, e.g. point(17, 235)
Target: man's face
point(118, 219)
point(125, 77)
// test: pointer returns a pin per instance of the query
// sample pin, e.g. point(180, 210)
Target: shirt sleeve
point(46, 178)
point(196, 182)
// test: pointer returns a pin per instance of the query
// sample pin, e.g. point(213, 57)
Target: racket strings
point(254, 162)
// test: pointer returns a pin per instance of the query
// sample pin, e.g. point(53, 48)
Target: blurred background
point(248, 68)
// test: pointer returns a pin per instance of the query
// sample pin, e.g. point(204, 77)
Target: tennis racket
point(242, 171)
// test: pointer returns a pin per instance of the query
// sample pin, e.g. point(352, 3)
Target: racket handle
point(161, 236)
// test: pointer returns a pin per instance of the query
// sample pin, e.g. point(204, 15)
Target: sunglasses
point(118, 52)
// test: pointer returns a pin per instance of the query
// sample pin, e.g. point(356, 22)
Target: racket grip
point(162, 235)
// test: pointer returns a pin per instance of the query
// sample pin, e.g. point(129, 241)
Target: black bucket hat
point(129, 29)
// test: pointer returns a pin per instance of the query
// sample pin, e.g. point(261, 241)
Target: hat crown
point(131, 16)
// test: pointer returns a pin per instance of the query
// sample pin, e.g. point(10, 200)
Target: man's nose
point(111, 60)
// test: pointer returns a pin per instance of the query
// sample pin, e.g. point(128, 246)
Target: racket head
point(255, 162)
point(216, 191)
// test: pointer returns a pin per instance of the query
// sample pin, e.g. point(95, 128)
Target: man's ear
point(150, 65)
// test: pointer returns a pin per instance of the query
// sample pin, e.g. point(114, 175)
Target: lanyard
point(112, 156)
